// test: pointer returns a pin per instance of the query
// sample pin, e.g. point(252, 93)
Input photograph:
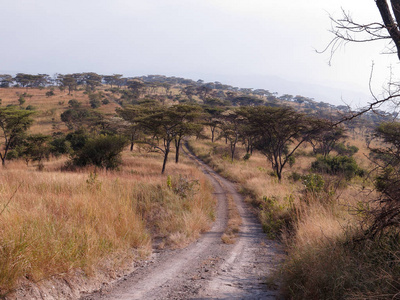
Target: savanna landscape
point(127, 186)
point(97, 174)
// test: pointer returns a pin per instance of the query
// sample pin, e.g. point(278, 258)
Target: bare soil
point(208, 268)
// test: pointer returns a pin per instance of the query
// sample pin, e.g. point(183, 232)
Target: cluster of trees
point(153, 84)
point(277, 132)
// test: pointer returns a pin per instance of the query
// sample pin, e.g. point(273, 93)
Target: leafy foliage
point(13, 124)
point(101, 151)
point(337, 165)
point(346, 150)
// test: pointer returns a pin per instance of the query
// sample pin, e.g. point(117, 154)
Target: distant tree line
point(153, 84)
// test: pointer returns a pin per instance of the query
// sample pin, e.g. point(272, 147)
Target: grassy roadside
point(55, 222)
point(317, 226)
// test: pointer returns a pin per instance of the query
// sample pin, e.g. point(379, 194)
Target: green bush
point(60, 145)
point(77, 139)
point(103, 151)
point(313, 182)
point(345, 150)
point(12, 154)
point(337, 165)
point(246, 156)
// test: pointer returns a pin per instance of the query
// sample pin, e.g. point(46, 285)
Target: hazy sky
point(247, 43)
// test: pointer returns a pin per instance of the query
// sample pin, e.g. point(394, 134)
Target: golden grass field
point(48, 109)
point(317, 229)
point(54, 222)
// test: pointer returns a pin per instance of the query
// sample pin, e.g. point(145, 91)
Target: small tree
point(36, 148)
point(230, 129)
point(325, 140)
point(67, 81)
point(131, 128)
point(279, 132)
point(13, 124)
point(95, 100)
point(212, 118)
point(162, 124)
point(189, 125)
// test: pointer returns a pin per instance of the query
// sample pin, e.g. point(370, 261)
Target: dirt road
point(208, 268)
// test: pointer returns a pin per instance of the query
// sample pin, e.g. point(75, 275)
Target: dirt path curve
point(208, 268)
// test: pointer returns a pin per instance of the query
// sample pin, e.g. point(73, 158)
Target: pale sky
point(266, 44)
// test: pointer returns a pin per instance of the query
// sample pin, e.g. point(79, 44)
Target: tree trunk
point(177, 146)
point(165, 158)
point(132, 142)
point(389, 22)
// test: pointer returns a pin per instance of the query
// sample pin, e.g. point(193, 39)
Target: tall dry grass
point(53, 222)
point(319, 229)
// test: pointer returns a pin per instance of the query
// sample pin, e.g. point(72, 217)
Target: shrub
point(313, 182)
point(73, 103)
point(21, 100)
point(295, 176)
point(182, 186)
point(60, 145)
point(346, 150)
point(77, 139)
point(337, 165)
point(103, 151)
point(95, 100)
point(50, 93)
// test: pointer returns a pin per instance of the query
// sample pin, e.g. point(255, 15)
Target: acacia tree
point(130, 114)
point(5, 80)
point(279, 132)
point(67, 81)
point(230, 129)
point(159, 123)
point(92, 80)
point(325, 140)
point(13, 124)
point(212, 118)
point(162, 123)
point(189, 125)
point(136, 87)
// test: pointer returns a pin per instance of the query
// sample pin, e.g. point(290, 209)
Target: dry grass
point(318, 229)
point(54, 222)
point(234, 222)
point(48, 109)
